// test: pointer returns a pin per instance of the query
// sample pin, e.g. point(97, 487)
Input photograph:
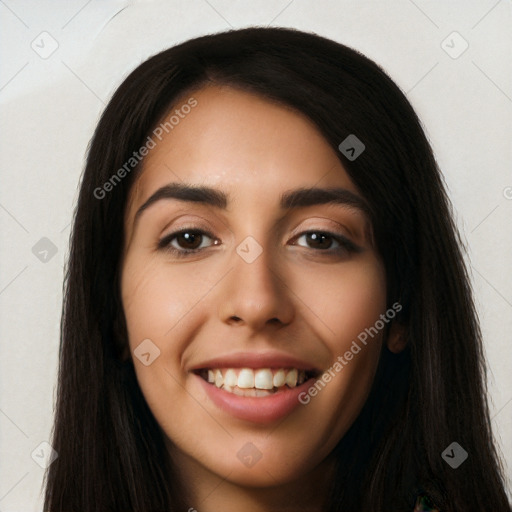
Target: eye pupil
point(190, 239)
point(318, 240)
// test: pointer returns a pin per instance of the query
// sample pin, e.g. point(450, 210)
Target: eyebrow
point(298, 198)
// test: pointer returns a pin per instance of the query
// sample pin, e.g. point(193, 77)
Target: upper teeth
point(262, 378)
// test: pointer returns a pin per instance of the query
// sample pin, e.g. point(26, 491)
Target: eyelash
point(346, 245)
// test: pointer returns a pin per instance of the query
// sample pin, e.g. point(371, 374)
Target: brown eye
point(189, 240)
point(319, 240)
point(185, 241)
point(330, 243)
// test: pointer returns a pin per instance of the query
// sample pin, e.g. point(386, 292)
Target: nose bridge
point(255, 293)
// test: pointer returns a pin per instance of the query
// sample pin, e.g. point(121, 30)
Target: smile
point(255, 382)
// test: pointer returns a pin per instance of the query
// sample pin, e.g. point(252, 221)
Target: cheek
point(154, 297)
point(153, 303)
point(160, 303)
point(346, 299)
point(350, 301)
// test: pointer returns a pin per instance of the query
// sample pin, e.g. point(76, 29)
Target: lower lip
point(265, 409)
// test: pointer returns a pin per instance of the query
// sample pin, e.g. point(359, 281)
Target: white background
point(50, 107)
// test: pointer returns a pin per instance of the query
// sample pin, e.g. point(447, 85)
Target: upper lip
point(256, 360)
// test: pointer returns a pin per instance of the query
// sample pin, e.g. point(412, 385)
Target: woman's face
point(266, 301)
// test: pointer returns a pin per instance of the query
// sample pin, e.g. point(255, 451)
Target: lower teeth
point(254, 392)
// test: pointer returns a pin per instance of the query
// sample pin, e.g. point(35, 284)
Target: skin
point(294, 297)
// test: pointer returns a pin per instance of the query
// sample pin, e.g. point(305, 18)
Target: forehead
point(241, 143)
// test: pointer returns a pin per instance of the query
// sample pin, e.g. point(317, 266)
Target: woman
point(266, 304)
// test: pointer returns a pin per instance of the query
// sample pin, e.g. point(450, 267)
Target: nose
point(254, 293)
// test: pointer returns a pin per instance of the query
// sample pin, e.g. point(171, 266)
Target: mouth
point(256, 382)
point(255, 387)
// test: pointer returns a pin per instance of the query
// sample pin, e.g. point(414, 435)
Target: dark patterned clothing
point(424, 504)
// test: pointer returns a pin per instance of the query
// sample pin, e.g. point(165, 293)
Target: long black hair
point(111, 453)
